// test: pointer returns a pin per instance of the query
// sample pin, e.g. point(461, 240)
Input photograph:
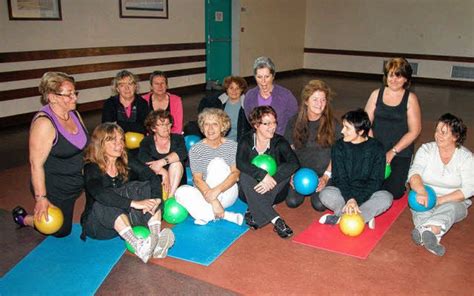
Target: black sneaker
point(283, 230)
point(250, 221)
point(19, 215)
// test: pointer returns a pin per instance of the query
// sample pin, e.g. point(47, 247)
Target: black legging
point(395, 184)
point(67, 207)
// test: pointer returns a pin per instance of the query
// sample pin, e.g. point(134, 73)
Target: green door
point(218, 38)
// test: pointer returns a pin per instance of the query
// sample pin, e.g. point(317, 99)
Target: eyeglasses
point(163, 124)
point(271, 123)
point(71, 95)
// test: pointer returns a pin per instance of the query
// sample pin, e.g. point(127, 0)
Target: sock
point(274, 219)
point(234, 217)
point(128, 235)
point(154, 225)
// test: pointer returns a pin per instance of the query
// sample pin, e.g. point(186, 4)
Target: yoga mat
point(63, 266)
point(330, 238)
point(203, 244)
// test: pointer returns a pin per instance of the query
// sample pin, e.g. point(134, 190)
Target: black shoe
point(19, 215)
point(283, 230)
point(250, 221)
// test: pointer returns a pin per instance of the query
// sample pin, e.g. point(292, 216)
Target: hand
point(422, 198)
point(267, 184)
point(147, 205)
point(323, 181)
point(217, 209)
point(389, 156)
point(156, 165)
point(211, 194)
point(291, 182)
point(351, 207)
point(41, 209)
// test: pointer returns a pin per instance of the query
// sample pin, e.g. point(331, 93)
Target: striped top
point(201, 155)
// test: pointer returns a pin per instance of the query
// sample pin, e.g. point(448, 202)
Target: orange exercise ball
point(132, 140)
point(352, 224)
point(54, 223)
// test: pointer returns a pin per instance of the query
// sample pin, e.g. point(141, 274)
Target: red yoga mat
point(330, 238)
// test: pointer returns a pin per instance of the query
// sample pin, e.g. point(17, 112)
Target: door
point(218, 38)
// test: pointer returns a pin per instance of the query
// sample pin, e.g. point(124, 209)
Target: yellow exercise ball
point(352, 224)
point(164, 194)
point(132, 140)
point(54, 223)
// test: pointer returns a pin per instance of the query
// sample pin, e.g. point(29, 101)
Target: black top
point(358, 169)
point(148, 150)
point(114, 111)
point(280, 150)
point(391, 123)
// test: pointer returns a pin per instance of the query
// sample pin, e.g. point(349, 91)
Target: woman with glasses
point(261, 190)
point(163, 151)
point(57, 140)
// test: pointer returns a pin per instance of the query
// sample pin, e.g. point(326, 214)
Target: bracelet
point(38, 196)
point(167, 161)
point(328, 173)
point(394, 151)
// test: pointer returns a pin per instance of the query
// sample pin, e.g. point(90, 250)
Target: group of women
point(349, 157)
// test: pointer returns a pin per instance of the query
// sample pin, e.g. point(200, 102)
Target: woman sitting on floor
point(358, 167)
point(448, 167)
point(113, 203)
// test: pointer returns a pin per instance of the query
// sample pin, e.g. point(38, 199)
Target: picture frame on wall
point(144, 9)
point(34, 10)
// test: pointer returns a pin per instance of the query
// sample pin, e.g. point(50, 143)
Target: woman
point(57, 140)
point(214, 171)
point(113, 203)
point(266, 93)
point(126, 107)
point(448, 167)
point(396, 119)
point(358, 165)
point(160, 99)
point(311, 134)
point(233, 104)
point(261, 190)
point(162, 151)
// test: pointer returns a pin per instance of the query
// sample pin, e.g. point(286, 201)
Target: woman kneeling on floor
point(358, 168)
point(215, 173)
point(448, 167)
point(113, 203)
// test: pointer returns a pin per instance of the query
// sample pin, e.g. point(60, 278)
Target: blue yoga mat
point(63, 266)
point(203, 244)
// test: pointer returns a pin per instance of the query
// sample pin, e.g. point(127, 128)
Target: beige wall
point(274, 28)
point(96, 23)
point(431, 27)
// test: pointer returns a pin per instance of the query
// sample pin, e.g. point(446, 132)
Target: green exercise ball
point(140, 232)
point(388, 170)
point(265, 162)
point(174, 212)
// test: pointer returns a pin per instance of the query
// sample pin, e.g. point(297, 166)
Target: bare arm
point(370, 107)
point(414, 123)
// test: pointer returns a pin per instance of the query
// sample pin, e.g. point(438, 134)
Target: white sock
point(234, 217)
point(155, 226)
point(274, 219)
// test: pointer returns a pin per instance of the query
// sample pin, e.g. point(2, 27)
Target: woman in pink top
point(160, 99)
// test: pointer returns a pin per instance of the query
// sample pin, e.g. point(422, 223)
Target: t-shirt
point(232, 109)
point(201, 155)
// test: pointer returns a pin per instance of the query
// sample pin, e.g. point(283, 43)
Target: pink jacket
point(176, 110)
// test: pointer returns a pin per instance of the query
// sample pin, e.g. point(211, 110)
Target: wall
point(427, 27)
point(91, 23)
point(274, 28)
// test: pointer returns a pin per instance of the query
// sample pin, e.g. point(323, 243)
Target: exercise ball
point(352, 224)
point(305, 181)
point(190, 140)
point(415, 206)
point(54, 223)
point(164, 194)
point(132, 140)
point(174, 212)
point(140, 232)
point(265, 162)
point(388, 170)
point(189, 176)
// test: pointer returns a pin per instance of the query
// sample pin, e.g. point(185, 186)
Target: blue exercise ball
point(305, 181)
point(415, 206)
point(190, 140)
point(189, 176)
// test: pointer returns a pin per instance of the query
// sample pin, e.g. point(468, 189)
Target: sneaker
point(283, 230)
point(431, 243)
point(371, 223)
point(19, 215)
point(165, 241)
point(250, 221)
point(329, 219)
point(143, 249)
point(416, 236)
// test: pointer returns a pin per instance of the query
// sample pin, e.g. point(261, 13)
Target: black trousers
point(395, 184)
point(67, 207)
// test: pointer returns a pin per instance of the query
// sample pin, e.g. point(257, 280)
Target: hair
point(158, 74)
point(95, 151)
point(222, 118)
point(51, 83)
point(241, 83)
point(255, 117)
point(263, 62)
point(456, 125)
point(325, 136)
point(359, 119)
point(122, 75)
point(400, 67)
point(154, 116)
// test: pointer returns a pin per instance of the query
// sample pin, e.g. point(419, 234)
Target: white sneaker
point(371, 223)
point(143, 249)
point(165, 241)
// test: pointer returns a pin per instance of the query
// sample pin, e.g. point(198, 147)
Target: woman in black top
point(396, 121)
point(260, 189)
point(163, 151)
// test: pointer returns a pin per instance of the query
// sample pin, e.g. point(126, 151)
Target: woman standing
point(160, 99)
point(396, 121)
point(311, 134)
point(57, 140)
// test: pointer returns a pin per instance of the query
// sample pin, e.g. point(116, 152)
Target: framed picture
point(34, 10)
point(144, 9)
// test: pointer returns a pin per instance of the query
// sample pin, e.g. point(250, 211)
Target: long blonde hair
point(95, 151)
